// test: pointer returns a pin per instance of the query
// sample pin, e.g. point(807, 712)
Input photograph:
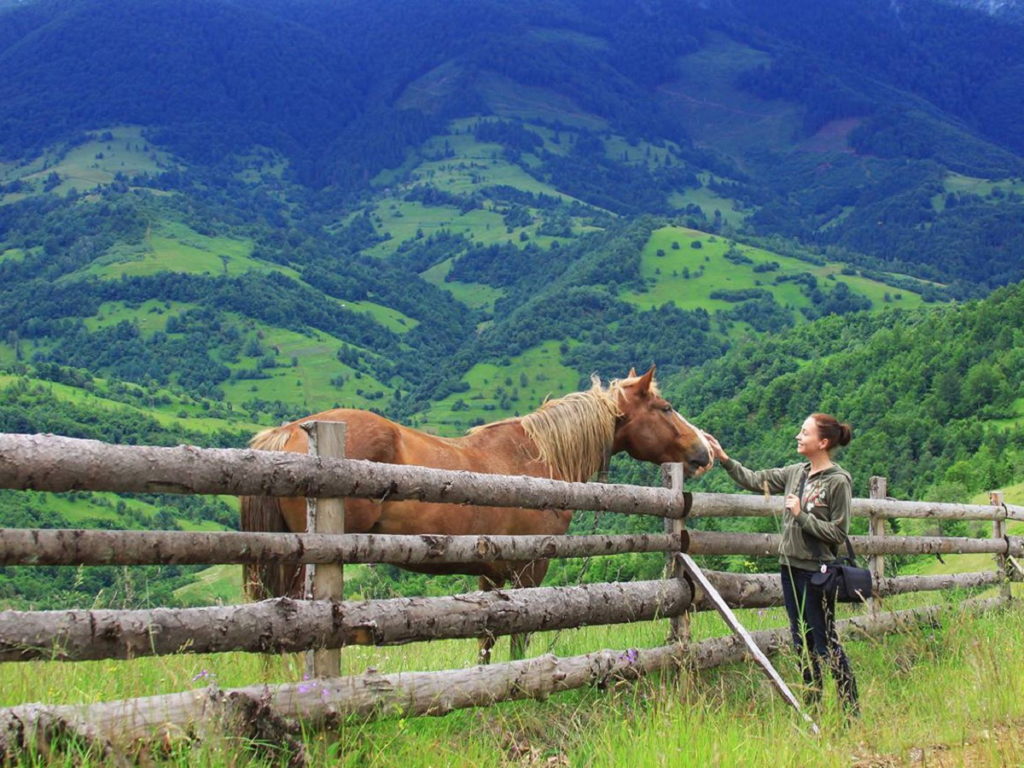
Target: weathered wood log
point(51, 463)
point(749, 505)
point(764, 590)
point(321, 702)
point(284, 625)
point(767, 544)
point(31, 546)
point(902, 584)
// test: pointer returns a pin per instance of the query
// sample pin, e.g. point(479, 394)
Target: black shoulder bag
point(842, 577)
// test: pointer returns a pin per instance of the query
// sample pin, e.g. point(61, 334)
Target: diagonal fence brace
point(694, 571)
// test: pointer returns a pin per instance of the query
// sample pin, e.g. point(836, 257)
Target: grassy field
point(96, 162)
point(171, 246)
point(686, 276)
point(182, 411)
point(713, 110)
point(492, 384)
point(724, 717)
point(473, 295)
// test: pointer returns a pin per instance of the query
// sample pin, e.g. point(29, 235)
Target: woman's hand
point(793, 505)
point(716, 447)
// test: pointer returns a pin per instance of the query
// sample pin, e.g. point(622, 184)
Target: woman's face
point(808, 441)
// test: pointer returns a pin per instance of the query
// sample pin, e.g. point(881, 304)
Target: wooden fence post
point(672, 478)
point(995, 498)
point(325, 581)
point(879, 490)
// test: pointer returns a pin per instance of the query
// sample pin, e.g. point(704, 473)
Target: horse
point(569, 438)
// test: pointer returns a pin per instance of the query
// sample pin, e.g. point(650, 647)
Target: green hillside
point(449, 212)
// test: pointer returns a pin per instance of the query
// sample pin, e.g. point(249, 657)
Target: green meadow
point(685, 275)
point(97, 161)
point(307, 374)
point(729, 716)
point(174, 247)
point(713, 110)
point(515, 386)
point(473, 295)
point(172, 408)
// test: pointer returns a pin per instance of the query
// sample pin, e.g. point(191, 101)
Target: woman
point(818, 496)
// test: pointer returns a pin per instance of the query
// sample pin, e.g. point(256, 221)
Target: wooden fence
point(49, 463)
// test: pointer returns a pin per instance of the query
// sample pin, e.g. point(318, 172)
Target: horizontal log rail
point(52, 463)
point(318, 703)
point(284, 625)
point(34, 546)
point(750, 505)
point(767, 544)
point(764, 590)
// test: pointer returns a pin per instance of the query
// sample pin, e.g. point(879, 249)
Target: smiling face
point(809, 442)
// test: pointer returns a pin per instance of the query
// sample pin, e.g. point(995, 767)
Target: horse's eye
point(667, 408)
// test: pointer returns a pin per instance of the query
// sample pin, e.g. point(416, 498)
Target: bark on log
point(24, 546)
point(284, 625)
point(748, 505)
point(902, 584)
point(51, 463)
point(321, 703)
point(764, 590)
point(767, 544)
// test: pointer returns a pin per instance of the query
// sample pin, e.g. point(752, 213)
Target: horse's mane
point(574, 433)
point(272, 439)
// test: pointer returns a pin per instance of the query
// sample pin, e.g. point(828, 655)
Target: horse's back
point(367, 435)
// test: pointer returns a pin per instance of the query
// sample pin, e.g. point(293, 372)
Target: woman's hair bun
point(832, 430)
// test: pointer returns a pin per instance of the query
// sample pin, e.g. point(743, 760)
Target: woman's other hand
point(793, 505)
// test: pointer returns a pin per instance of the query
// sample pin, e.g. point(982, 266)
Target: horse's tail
point(263, 579)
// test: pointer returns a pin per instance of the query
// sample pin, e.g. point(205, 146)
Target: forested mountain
point(216, 215)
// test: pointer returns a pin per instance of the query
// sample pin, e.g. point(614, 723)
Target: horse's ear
point(644, 384)
point(632, 373)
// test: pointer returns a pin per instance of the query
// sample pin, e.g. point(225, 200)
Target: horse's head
point(651, 430)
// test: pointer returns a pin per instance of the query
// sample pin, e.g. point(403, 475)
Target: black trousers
point(813, 627)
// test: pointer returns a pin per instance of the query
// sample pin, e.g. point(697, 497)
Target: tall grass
point(942, 694)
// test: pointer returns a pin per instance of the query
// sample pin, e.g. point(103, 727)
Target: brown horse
point(569, 438)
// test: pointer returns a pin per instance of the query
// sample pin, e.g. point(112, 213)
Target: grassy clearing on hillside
point(96, 162)
point(686, 276)
point(182, 411)
point(507, 98)
point(513, 387)
point(473, 295)
point(308, 374)
point(714, 111)
point(174, 247)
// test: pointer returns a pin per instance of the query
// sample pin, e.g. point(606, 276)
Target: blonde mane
point(272, 439)
point(574, 433)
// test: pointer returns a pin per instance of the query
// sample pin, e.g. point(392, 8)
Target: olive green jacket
point(813, 537)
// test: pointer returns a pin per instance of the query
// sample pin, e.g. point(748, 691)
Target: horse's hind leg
point(530, 575)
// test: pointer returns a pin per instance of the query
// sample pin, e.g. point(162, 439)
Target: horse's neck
point(560, 459)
